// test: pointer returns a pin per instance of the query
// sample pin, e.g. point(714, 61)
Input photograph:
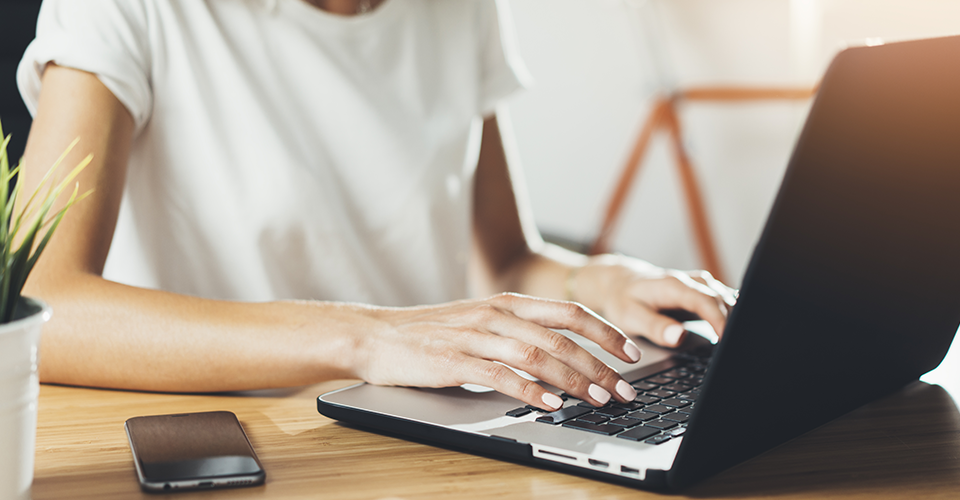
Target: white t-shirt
point(285, 152)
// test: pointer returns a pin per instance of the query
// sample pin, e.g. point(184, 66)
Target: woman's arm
point(628, 292)
point(111, 335)
point(107, 334)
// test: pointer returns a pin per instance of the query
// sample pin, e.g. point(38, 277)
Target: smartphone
point(192, 451)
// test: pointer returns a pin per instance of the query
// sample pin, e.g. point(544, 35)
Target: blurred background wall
point(597, 64)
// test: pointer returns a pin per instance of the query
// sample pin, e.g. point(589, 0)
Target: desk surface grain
point(904, 446)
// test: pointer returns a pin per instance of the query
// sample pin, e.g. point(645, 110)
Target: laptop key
point(563, 414)
point(625, 422)
point(674, 402)
point(585, 404)
point(631, 405)
point(689, 396)
point(638, 433)
point(519, 412)
point(644, 386)
point(677, 373)
point(646, 399)
point(594, 418)
point(660, 393)
point(688, 410)
point(612, 412)
point(660, 424)
point(606, 429)
point(662, 438)
point(659, 380)
point(676, 417)
point(676, 387)
point(658, 409)
point(643, 415)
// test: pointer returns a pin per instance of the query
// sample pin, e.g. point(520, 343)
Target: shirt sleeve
point(502, 70)
point(108, 38)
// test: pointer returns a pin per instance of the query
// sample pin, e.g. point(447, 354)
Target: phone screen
point(192, 450)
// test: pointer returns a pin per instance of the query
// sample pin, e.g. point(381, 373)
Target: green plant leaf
point(31, 218)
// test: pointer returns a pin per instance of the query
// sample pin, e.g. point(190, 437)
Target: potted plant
point(25, 230)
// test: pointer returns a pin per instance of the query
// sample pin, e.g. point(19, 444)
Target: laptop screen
point(853, 290)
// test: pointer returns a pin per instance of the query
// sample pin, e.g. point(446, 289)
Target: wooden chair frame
point(664, 116)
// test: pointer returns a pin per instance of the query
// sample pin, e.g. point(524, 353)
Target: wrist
point(338, 337)
point(593, 283)
point(589, 283)
point(570, 284)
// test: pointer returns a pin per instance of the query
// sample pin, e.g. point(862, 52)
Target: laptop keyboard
point(659, 413)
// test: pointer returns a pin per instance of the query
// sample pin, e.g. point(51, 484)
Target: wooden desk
point(904, 446)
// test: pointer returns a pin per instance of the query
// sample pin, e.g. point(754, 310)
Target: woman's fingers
point(684, 292)
point(574, 317)
point(504, 380)
point(551, 357)
point(466, 342)
point(640, 319)
point(726, 294)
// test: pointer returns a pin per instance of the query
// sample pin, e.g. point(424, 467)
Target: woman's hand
point(631, 294)
point(466, 342)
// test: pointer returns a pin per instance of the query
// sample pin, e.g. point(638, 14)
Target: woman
point(264, 169)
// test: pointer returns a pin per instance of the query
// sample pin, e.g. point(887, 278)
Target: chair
point(664, 116)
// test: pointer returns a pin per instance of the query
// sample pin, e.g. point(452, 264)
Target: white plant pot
point(19, 388)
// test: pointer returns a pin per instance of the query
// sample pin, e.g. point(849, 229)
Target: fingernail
point(599, 394)
point(626, 391)
point(552, 400)
point(632, 351)
point(672, 334)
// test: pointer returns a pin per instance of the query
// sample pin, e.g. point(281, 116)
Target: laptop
point(852, 292)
